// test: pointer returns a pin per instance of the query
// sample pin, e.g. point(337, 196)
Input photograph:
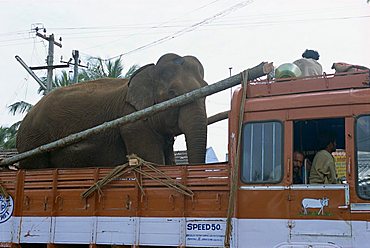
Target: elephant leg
point(145, 143)
point(169, 154)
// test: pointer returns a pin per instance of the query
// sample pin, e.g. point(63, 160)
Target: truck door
point(358, 162)
point(319, 212)
point(262, 196)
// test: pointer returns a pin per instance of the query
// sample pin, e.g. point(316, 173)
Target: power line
point(163, 24)
point(236, 23)
point(17, 44)
point(116, 28)
point(188, 29)
point(22, 32)
point(242, 24)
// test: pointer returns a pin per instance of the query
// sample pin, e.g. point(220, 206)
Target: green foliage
point(8, 136)
point(100, 68)
point(61, 80)
point(20, 107)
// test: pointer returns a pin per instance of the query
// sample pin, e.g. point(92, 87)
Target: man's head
point(311, 54)
point(298, 159)
point(327, 141)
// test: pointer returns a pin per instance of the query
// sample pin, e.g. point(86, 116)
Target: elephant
point(77, 107)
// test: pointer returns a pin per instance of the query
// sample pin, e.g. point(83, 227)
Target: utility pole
point(49, 62)
point(49, 59)
point(76, 64)
point(75, 55)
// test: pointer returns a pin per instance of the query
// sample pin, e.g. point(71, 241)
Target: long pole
point(75, 55)
point(42, 85)
point(50, 61)
point(255, 72)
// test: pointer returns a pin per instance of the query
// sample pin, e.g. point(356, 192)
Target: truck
point(248, 201)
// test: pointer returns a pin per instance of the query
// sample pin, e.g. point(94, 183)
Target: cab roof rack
point(325, 82)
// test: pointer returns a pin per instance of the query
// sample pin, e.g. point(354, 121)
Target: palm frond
point(14, 127)
point(8, 137)
point(131, 71)
point(62, 80)
point(19, 107)
point(115, 68)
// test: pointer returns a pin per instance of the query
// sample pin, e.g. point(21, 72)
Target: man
point(323, 165)
point(299, 170)
point(308, 63)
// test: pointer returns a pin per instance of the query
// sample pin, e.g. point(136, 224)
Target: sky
point(222, 34)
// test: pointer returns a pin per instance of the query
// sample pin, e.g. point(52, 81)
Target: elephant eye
point(172, 93)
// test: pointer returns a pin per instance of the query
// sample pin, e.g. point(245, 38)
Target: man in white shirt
point(308, 63)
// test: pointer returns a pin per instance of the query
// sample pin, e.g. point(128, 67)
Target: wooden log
point(218, 117)
point(253, 73)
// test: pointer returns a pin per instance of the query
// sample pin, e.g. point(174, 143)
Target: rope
point(234, 173)
point(136, 165)
point(3, 192)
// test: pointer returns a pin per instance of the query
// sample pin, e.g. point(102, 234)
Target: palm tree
point(8, 136)
point(22, 107)
point(3, 136)
point(99, 69)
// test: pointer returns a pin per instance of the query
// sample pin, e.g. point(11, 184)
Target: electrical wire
point(187, 29)
point(233, 22)
point(165, 25)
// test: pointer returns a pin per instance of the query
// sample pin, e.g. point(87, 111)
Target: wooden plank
point(38, 178)
point(37, 202)
point(207, 166)
point(6, 174)
point(69, 203)
point(208, 203)
point(41, 172)
point(75, 184)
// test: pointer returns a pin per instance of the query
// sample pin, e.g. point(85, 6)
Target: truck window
point(262, 154)
point(363, 156)
point(306, 141)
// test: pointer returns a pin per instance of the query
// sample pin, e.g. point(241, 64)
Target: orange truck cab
point(45, 208)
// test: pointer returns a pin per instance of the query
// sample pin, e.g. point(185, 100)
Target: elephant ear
point(170, 57)
point(194, 65)
point(141, 87)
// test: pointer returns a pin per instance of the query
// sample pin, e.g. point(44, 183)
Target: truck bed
point(57, 192)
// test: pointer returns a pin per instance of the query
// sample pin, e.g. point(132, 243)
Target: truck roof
point(325, 82)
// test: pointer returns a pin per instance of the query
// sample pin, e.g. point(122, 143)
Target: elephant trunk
point(193, 123)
